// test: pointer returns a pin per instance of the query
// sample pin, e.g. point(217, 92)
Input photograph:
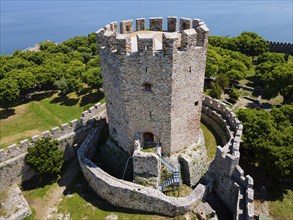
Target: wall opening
point(127, 28)
point(148, 140)
point(196, 103)
point(147, 87)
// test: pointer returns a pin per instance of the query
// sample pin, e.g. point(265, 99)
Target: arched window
point(147, 87)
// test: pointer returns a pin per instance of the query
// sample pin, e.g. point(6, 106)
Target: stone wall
point(127, 194)
point(229, 182)
point(193, 162)
point(146, 167)
point(146, 73)
point(13, 168)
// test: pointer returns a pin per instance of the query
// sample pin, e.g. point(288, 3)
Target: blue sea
point(25, 23)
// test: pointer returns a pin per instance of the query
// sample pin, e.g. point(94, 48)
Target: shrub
point(45, 157)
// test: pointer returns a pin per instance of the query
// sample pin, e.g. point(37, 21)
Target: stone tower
point(153, 81)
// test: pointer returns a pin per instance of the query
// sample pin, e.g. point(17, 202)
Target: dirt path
point(47, 208)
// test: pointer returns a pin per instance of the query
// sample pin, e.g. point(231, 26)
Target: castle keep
point(153, 81)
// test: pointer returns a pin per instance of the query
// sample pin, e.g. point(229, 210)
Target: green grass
point(210, 142)
point(282, 209)
point(39, 192)
point(79, 208)
point(35, 117)
point(32, 216)
point(184, 190)
point(243, 92)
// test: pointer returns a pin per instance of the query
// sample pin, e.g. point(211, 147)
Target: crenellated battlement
point(230, 182)
point(55, 133)
point(281, 47)
point(153, 39)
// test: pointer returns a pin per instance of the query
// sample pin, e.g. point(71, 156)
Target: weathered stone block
point(185, 23)
point(126, 26)
point(46, 134)
point(24, 144)
point(114, 26)
point(65, 128)
point(172, 24)
point(140, 24)
point(73, 123)
point(156, 24)
point(12, 149)
point(35, 138)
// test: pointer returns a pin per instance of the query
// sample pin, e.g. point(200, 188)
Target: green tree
point(93, 78)
point(233, 94)
point(216, 91)
point(270, 57)
point(26, 80)
point(251, 44)
point(279, 80)
point(46, 45)
point(223, 80)
point(9, 92)
point(264, 68)
point(267, 140)
point(45, 157)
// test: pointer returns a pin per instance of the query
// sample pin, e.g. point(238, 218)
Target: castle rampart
point(13, 168)
point(130, 195)
point(280, 47)
point(230, 184)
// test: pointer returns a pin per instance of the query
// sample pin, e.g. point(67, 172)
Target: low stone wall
point(230, 184)
point(146, 168)
point(127, 194)
point(13, 168)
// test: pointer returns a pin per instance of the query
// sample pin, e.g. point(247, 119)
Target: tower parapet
point(153, 80)
point(109, 37)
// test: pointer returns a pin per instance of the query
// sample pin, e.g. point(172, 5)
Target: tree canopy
point(66, 66)
point(248, 43)
point(268, 138)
